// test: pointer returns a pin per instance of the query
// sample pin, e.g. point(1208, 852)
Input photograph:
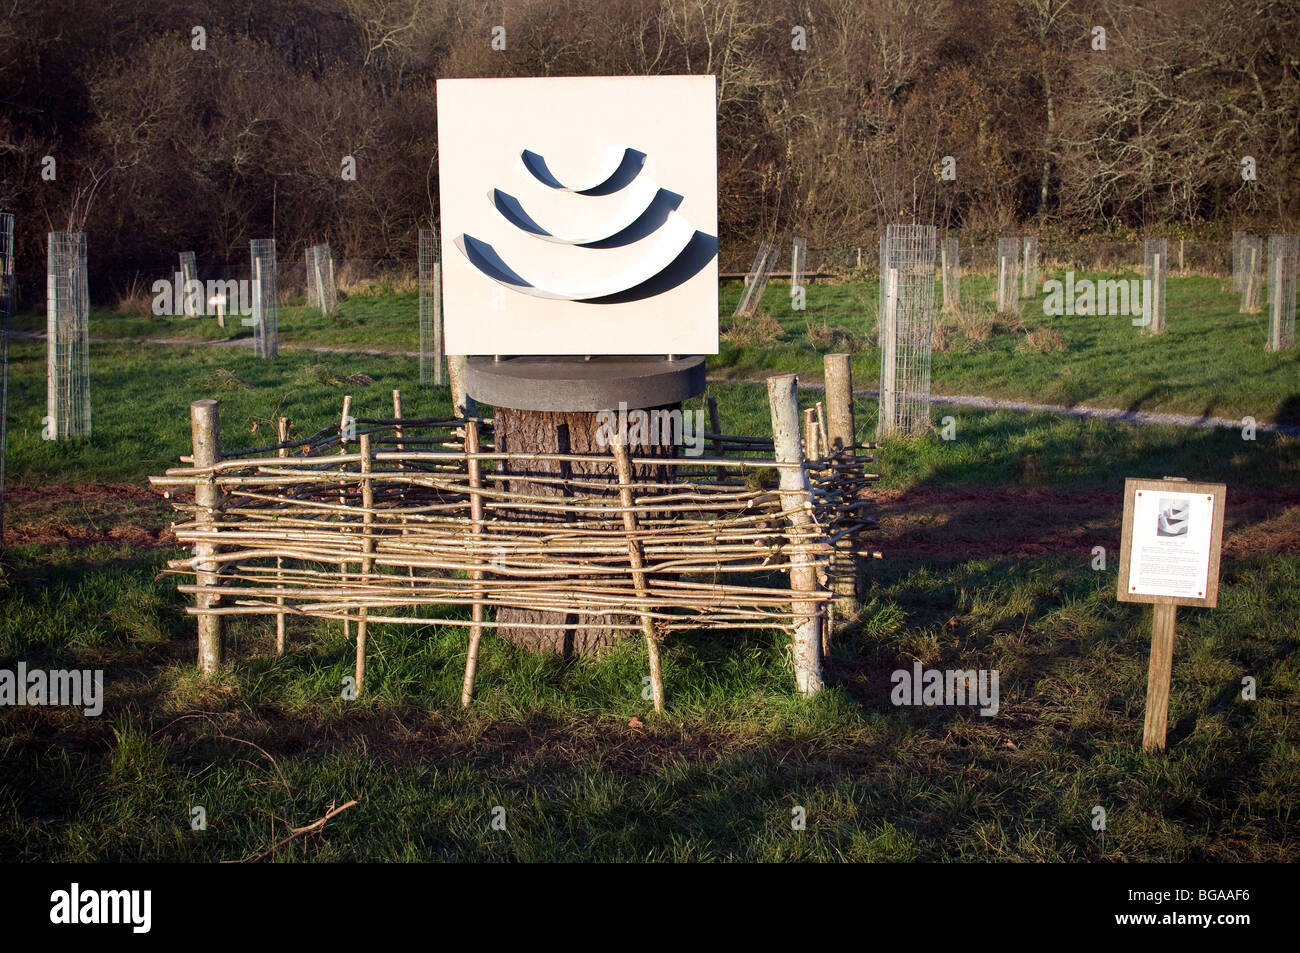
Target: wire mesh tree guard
point(798, 261)
point(1155, 266)
point(266, 306)
point(1283, 264)
point(431, 356)
point(1029, 272)
point(308, 270)
point(6, 313)
point(322, 290)
point(189, 272)
point(756, 280)
point(1252, 273)
point(1008, 290)
point(908, 329)
point(67, 335)
point(1238, 240)
point(950, 273)
point(884, 294)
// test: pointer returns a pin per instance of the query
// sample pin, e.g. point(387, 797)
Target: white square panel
point(579, 215)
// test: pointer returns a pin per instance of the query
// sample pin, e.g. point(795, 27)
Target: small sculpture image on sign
point(1174, 517)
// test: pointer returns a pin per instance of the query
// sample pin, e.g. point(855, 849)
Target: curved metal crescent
point(668, 244)
point(640, 198)
point(622, 164)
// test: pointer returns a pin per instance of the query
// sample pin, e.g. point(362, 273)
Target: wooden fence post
point(343, 497)
point(943, 272)
point(1158, 315)
point(401, 447)
point(1248, 300)
point(436, 292)
point(1275, 323)
point(397, 415)
point(809, 434)
point(841, 436)
point(476, 515)
point(889, 362)
point(715, 424)
point(839, 403)
point(283, 434)
point(783, 401)
point(637, 562)
point(462, 404)
point(367, 563)
point(205, 429)
point(1158, 676)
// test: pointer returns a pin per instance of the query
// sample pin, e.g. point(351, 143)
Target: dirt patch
point(1027, 522)
point(84, 514)
point(922, 522)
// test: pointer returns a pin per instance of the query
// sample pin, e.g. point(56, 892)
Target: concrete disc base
point(578, 384)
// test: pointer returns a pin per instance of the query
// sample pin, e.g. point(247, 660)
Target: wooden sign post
point(1169, 556)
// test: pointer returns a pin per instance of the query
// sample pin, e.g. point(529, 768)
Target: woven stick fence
point(428, 524)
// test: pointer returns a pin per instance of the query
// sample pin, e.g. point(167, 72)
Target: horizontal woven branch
point(317, 530)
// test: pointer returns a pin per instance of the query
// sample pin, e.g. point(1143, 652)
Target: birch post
point(367, 548)
point(205, 431)
point(783, 401)
point(1248, 296)
point(401, 447)
point(397, 415)
point(1275, 323)
point(1002, 283)
point(258, 331)
point(320, 280)
point(476, 515)
point(809, 435)
point(943, 272)
point(838, 372)
point(437, 324)
point(889, 362)
point(283, 435)
point(458, 370)
point(637, 560)
point(1157, 282)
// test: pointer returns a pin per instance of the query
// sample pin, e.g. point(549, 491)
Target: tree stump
point(577, 432)
point(554, 405)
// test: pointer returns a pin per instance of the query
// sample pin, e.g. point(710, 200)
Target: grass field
point(989, 543)
point(1211, 361)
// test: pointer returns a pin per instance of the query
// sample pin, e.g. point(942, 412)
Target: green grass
point(1210, 361)
point(271, 744)
point(140, 396)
